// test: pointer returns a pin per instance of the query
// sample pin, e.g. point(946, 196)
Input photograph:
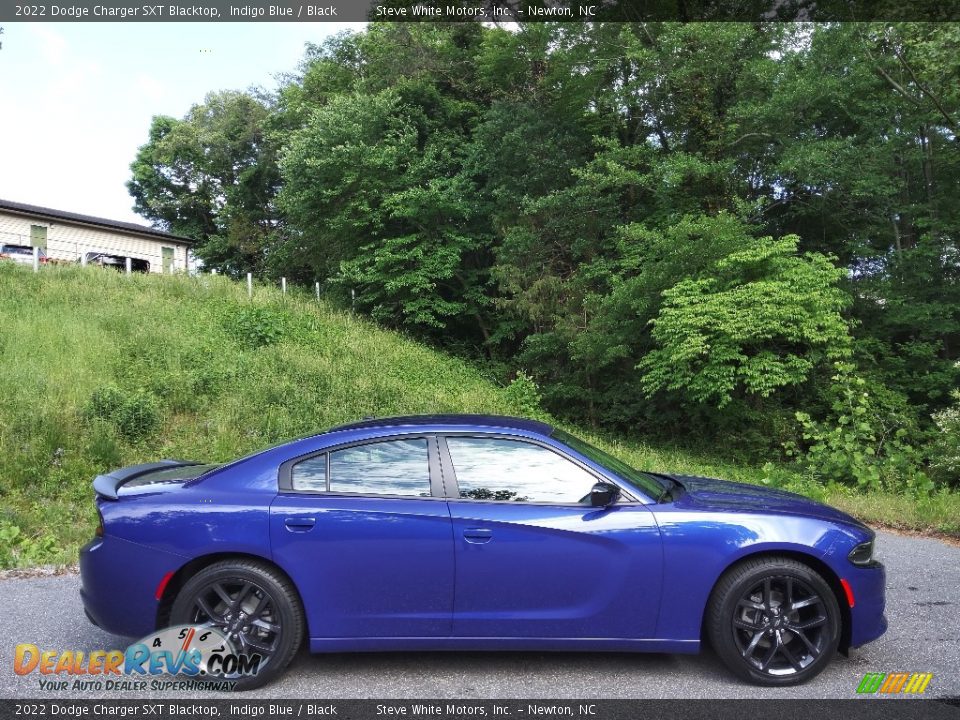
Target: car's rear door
point(534, 559)
point(365, 533)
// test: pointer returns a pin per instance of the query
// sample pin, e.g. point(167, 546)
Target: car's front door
point(534, 559)
point(365, 534)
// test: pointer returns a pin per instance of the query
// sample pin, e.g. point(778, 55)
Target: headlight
point(862, 554)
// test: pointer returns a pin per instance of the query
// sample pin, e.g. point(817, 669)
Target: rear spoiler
point(108, 485)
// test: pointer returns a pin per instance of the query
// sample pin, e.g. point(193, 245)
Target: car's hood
point(723, 495)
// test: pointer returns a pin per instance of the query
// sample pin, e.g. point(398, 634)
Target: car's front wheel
point(774, 621)
point(254, 606)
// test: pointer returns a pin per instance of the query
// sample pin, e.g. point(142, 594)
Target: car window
point(648, 484)
point(499, 469)
point(310, 474)
point(392, 467)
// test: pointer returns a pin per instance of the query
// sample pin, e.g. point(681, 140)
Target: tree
point(673, 228)
point(212, 177)
point(760, 319)
point(864, 165)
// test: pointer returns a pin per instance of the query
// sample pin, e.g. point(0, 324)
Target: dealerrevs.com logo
point(894, 683)
point(203, 658)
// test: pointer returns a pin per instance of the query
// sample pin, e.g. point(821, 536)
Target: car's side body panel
point(701, 530)
point(367, 566)
point(193, 521)
point(155, 531)
point(553, 571)
point(391, 573)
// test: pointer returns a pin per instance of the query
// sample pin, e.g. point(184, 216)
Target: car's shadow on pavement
point(534, 675)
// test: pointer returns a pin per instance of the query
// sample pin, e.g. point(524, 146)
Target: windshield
point(648, 484)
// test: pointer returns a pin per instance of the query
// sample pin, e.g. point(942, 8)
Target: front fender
point(698, 547)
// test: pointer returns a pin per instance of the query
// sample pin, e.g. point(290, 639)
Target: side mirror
point(603, 494)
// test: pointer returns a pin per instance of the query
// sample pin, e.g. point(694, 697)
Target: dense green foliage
point(98, 371)
point(674, 230)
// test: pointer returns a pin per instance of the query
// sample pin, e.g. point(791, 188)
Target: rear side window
point(390, 467)
point(310, 474)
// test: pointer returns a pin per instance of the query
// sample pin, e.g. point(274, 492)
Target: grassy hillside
point(98, 370)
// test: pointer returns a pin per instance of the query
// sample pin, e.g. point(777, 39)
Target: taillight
point(99, 531)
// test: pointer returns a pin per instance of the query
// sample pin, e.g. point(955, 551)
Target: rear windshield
point(174, 474)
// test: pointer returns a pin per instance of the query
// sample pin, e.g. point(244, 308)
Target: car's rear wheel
point(774, 621)
point(254, 606)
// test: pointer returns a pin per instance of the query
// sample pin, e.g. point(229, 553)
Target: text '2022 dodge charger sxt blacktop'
point(477, 532)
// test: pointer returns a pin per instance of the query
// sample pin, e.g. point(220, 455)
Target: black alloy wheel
point(242, 611)
point(774, 621)
point(254, 606)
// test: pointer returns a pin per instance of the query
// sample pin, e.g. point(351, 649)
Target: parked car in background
point(21, 254)
point(470, 532)
point(117, 262)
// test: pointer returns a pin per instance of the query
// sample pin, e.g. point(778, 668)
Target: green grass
point(938, 513)
point(190, 367)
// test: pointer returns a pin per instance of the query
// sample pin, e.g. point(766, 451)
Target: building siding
point(69, 241)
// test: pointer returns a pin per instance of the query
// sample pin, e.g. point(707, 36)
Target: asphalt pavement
point(923, 609)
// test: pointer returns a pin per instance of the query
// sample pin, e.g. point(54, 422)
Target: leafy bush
point(524, 394)
point(944, 450)
point(760, 320)
point(140, 416)
point(209, 377)
point(135, 414)
point(106, 402)
point(864, 440)
point(18, 549)
point(256, 327)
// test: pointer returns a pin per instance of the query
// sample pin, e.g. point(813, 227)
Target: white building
point(69, 236)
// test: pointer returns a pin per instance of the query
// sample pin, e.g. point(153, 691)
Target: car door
point(365, 533)
point(533, 558)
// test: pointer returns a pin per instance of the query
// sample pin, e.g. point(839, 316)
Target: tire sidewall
point(722, 634)
point(286, 607)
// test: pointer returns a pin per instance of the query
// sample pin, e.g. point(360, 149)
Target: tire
point(774, 621)
point(277, 629)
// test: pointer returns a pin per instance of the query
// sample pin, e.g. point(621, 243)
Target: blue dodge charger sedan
point(477, 533)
